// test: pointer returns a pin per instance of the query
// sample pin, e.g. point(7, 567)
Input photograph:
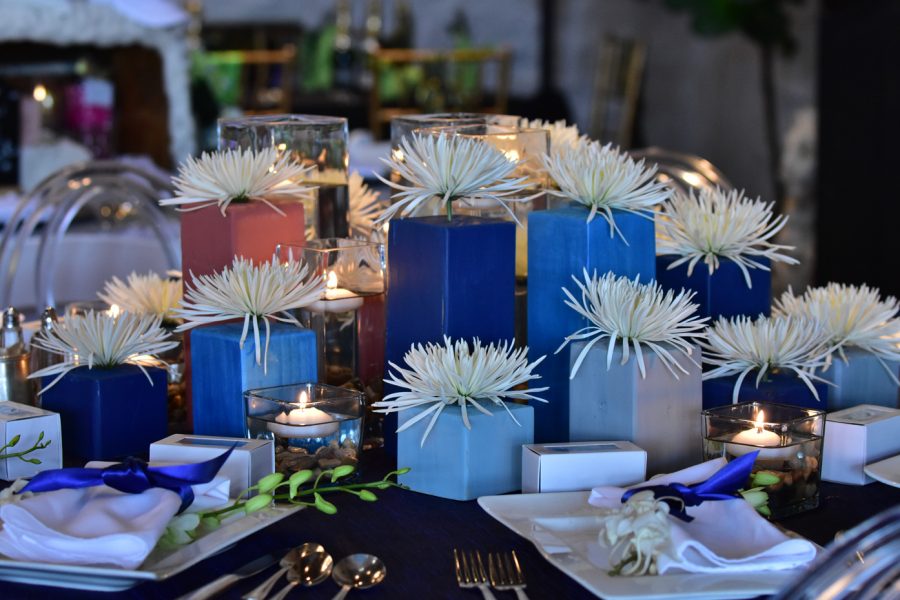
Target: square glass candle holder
point(789, 440)
point(314, 426)
point(312, 140)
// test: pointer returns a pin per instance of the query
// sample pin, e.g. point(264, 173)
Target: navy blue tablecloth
point(414, 534)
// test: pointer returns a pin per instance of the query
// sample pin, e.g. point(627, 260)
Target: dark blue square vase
point(561, 243)
point(109, 414)
point(781, 388)
point(725, 292)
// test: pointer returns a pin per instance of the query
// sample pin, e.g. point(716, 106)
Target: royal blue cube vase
point(561, 243)
point(460, 463)
point(778, 388)
point(862, 379)
point(108, 414)
point(724, 293)
point(221, 371)
point(447, 278)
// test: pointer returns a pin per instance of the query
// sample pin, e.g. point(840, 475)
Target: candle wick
point(759, 430)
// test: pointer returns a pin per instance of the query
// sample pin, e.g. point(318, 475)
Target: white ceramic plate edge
point(886, 471)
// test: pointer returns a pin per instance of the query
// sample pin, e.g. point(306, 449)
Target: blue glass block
point(454, 278)
point(463, 464)
point(725, 292)
point(659, 413)
point(109, 414)
point(861, 380)
point(221, 372)
point(561, 244)
point(783, 388)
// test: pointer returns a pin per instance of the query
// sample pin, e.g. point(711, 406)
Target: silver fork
point(470, 572)
point(507, 574)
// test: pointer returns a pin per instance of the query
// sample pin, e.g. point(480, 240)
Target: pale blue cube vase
point(861, 380)
point(463, 464)
point(659, 413)
point(561, 243)
point(221, 371)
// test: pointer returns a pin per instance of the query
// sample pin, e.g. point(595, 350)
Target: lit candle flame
point(331, 281)
point(512, 155)
point(39, 93)
point(303, 400)
point(114, 311)
point(760, 421)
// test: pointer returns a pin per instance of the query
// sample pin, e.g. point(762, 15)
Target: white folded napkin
point(87, 526)
point(725, 535)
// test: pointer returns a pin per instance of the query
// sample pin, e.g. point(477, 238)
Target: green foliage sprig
point(39, 444)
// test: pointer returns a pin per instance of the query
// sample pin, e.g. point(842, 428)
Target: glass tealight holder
point(405, 124)
point(789, 440)
point(314, 426)
point(312, 140)
point(82, 308)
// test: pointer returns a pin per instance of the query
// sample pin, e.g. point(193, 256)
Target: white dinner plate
point(564, 528)
point(886, 471)
point(159, 565)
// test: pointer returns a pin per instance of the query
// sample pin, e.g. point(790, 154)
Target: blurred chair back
point(683, 171)
point(116, 193)
point(617, 88)
point(861, 564)
point(411, 81)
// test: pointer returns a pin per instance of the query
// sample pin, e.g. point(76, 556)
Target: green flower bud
point(341, 471)
point(269, 482)
point(403, 471)
point(764, 478)
point(257, 503)
point(324, 505)
point(14, 441)
point(367, 496)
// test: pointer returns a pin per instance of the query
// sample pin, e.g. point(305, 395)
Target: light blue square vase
point(221, 371)
point(861, 380)
point(463, 464)
point(561, 243)
point(659, 413)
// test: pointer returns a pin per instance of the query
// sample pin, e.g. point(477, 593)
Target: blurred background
point(794, 101)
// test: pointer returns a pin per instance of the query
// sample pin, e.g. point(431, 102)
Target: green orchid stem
point(450, 209)
point(20, 455)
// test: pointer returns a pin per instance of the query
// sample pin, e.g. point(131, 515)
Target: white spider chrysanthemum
point(102, 340)
point(250, 292)
point(636, 313)
point(147, 294)
point(222, 177)
point(741, 345)
point(365, 207)
point(455, 373)
point(562, 136)
point(717, 225)
point(853, 316)
point(604, 179)
point(452, 167)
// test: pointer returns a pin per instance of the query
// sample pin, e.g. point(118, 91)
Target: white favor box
point(857, 436)
point(250, 461)
point(28, 422)
point(581, 466)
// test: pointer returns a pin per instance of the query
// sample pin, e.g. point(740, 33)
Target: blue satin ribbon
point(723, 485)
point(132, 476)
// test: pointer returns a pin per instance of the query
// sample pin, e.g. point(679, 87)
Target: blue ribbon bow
point(132, 476)
point(723, 485)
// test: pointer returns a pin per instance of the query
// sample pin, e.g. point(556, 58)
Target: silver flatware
point(506, 573)
point(312, 567)
point(470, 572)
point(222, 583)
point(357, 571)
point(263, 589)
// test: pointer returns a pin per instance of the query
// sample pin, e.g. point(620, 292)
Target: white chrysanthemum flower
point(250, 292)
point(147, 294)
point(452, 167)
point(718, 225)
point(454, 373)
point(853, 316)
point(604, 179)
point(222, 177)
point(562, 136)
point(636, 313)
point(637, 533)
point(102, 340)
point(741, 345)
point(365, 207)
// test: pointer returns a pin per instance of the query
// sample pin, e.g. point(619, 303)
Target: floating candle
point(769, 443)
point(304, 421)
point(336, 299)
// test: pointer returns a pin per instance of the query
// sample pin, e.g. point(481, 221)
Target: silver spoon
point(263, 589)
point(312, 568)
point(358, 571)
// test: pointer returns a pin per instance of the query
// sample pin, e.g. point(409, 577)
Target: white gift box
point(581, 466)
point(28, 422)
point(855, 437)
point(250, 461)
